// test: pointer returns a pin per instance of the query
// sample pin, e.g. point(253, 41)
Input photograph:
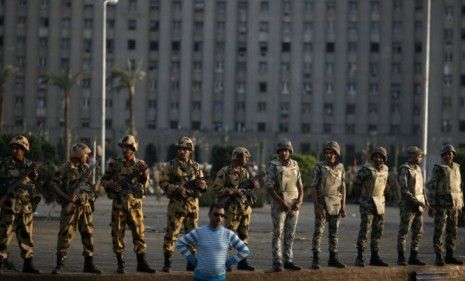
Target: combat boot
point(450, 259)
point(89, 266)
point(401, 258)
point(439, 260)
point(244, 265)
point(413, 259)
point(334, 261)
point(376, 260)
point(316, 260)
point(291, 266)
point(8, 265)
point(142, 265)
point(60, 265)
point(359, 259)
point(28, 266)
point(167, 264)
point(120, 263)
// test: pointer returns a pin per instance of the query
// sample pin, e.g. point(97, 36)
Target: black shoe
point(450, 259)
point(334, 261)
point(167, 263)
point(142, 265)
point(89, 266)
point(401, 258)
point(292, 266)
point(28, 266)
point(377, 261)
point(8, 265)
point(359, 261)
point(439, 260)
point(316, 260)
point(244, 265)
point(413, 259)
point(60, 265)
point(278, 268)
point(120, 263)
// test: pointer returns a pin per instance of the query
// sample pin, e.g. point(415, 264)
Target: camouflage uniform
point(324, 177)
point(284, 179)
point(371, 184)
point(446, 196)
point(180, 212)
point(238, 211)
point(16, 212)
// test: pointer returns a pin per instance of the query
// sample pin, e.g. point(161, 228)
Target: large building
point(245, 72)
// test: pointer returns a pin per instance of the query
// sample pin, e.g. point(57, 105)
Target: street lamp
point(104, 72)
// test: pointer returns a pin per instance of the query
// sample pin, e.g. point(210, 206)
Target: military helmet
point(79, 149)
point(413, 151)
point(129, 140)
point(381, 151)
point(238, 152)
point(446, 148)
point(21, 141)
point(333, 145)
point(284, 144)
point(185, 142)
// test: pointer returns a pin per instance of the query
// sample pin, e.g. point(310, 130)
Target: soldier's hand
point(319, 214)
point(297, 205)
point(285, 207)
point(201, 183)
point(95, 187)
point(184, 192)
point(431, 210)
point(342, 212)
point(238, 192)
point(73, 198)
point(255, 182)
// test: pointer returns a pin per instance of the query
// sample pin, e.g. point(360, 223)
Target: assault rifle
point(13, 185)
point(81, 186)
point(193, 187)
point(125, 186)
point(247, 187)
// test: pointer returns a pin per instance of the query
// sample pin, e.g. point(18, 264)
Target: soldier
point(182, 181)
point(447, 199)
point(329, 198)
point(126, 182)
point(237, 201)
point(17, 184)
point(412, 203)
point(370, 185)
point(73, 184)
point(284, 184)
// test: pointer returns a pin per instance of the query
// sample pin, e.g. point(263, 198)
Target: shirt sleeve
point(219, 187)
point(437, 175)
point(182, 244)
point(270, 179)
point(165, 182)
point(316, 177)
point(241, 248)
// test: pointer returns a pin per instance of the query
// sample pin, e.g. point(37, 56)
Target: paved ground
point(46, 228)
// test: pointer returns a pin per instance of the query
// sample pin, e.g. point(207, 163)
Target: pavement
point(46, 223)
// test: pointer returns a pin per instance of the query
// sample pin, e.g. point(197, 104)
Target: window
point(132, 24)
point(283, 128)
point(263, 27)
point(286, 47)
point(328, 109)
point(195, 125)
point(305, 128)
point(374, 47)
point(263, 48)
point(261, 126)
point(262, 86)
point(261, 107)
point(330, 47)
point(153, 25)
point(264, 6)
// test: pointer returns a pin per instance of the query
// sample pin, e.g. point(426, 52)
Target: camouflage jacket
point(174, 175)
point(317, 180)
point(69, 175)
point(364, 180)
point(435, 198)
point(226, 180)
point(120, 170)
point(407, 182)
point(11, 170)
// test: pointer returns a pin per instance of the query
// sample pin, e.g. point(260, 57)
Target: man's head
point(185, 148)
point(80, 153)
point(284, 149)
point(240, 156)
point(19, 145)
point(331, 152)
point(379, 156)
point(129, 146)
point(414, 155)
point(216, 215)
point(448, 153)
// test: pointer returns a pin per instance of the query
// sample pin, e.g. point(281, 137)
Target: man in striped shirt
point(212, 242)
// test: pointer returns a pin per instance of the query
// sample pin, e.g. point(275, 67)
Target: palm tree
point(127, 79)
point(4, 73)
point(66, 81)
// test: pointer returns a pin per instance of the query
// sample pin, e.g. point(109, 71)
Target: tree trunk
point(67, 128)
point(132, 109)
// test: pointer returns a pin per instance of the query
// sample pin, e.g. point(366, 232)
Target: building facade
point(245, 72)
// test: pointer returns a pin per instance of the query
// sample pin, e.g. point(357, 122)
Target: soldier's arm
point(404, 176)
point(270, 187)
point(360, 178)
point(300, 190)
point(107, 178)
point(436, 176)
point(219, 187)
point(57, 182)
point(343, 193)
point(165, 182)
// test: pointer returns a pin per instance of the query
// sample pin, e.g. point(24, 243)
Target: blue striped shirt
point(212, 250)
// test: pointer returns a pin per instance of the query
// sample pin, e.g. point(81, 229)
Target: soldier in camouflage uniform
point(284, 184)
point(18, 173)
point(73, 185)
point(412, 204)
point(446, 197)
point(329, 197)
point(182, 180)
point(237, 203)
point(370, 185)
point(126, 181)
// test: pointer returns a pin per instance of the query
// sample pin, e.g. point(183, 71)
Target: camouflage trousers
point(414, 220)
point(445, 220)
point(370, 221)
point(239, 223)
point(177, 219)
point(283, 223)
point(333, 227)
point(128, 212)
point(21, 224)
point(80, 218)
